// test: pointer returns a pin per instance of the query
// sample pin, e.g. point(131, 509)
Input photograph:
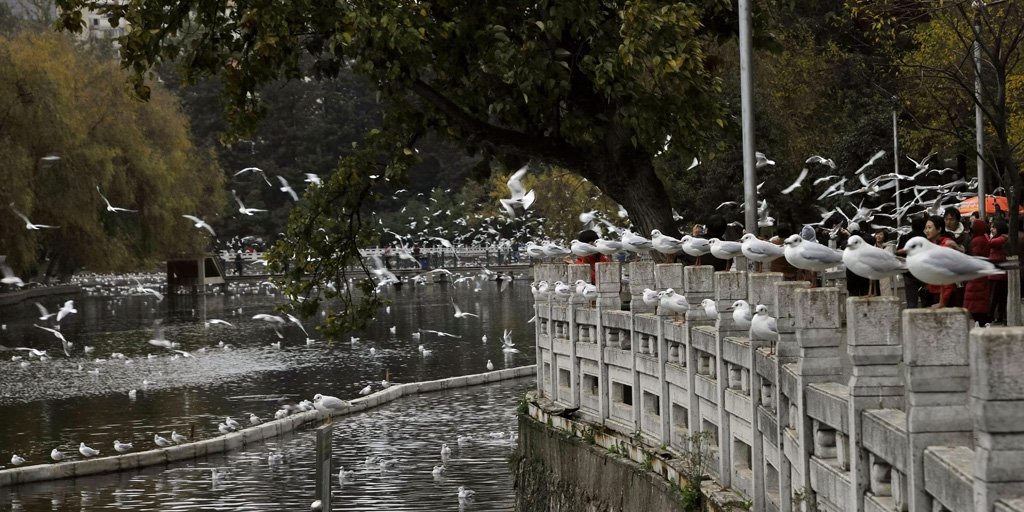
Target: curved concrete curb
point(242, 438)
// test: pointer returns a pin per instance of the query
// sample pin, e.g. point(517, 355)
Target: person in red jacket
point(976, 297)
point(588, 236)
point(997, 282)
point(935, 231)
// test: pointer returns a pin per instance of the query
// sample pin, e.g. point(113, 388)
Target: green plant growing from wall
point(696, 460)
point(588, 435)
point(648, 464)
point(804, 500)
point(524, 405)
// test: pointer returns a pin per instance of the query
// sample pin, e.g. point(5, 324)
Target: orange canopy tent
point(971, 205)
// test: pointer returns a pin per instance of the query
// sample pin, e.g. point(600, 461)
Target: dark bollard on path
point(323, 467)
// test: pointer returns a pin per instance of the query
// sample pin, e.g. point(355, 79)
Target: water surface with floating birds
point(238, 371)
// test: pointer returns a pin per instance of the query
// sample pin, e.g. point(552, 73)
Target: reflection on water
point(410, 429)
point(235, 370)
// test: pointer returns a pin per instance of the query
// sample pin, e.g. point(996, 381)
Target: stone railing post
point(935, 359)
point(761, 289)
point(997, 406)
point(542, 324)
point(729, 287)
point(818, 335)
point(575, 272)
point(698, 284)
point(786, 351)
point(609, 282)
point(641, 275)
point(876, 350)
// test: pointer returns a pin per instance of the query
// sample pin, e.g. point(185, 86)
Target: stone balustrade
point(854, 407)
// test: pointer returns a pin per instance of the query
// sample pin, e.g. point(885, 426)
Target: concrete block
point(935, 337)
point(946, 418)
point(830, 366)
point(997, 363)
point(669, 275)
point(936, 379)
point(819, 338)
point(1005, 417)
point(233, 441)
point(730, 287)
point(999, 465)
point(608, 276)
point(986, 494)
point(641, 275)
point(817, 308)
point(784, 303)
point(873, 321)
point(875, 355)
point(699, 279)
point(146, 458)
point(761, 288)
point(580, 272)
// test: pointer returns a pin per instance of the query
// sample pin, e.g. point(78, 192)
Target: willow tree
point(598, 87)
point(56, 100)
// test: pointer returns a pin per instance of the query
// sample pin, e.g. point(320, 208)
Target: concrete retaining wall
point(242, 438)
point(14, 297)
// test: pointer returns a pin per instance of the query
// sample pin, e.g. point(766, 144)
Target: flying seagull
point(111, 208)
point(200, 223)
point(28, 223)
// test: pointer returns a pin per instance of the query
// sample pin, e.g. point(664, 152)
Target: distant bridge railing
point(428, 257)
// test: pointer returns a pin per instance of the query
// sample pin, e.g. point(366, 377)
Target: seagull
point(762, 160)
point(254, 420)
point(215, 321)
point(65, 310)
point(178, 438)
point(741, 314)
point(674, 302)
point(460, 314)
point(710, 308)
point(160, 441)
point(368, 389)
point(345, 475)
point(763, 326)
point(158, 337)
point(255, 169)
point(810, 255)
point(121, 447)
point(438, 470)
point(582, 249)
point(86, 451)
point(663, 243)
point(200, 223)
point(870, 261)
point(520, 197)
point(796, 184)
point(562, 290)
point(297, 322)
point(224, 429)
point(28, 223)
point(329, 404)
point(17, 460)
point(111, 208)
point(759, 250)
point(275, 457)
point(241, 207)
point(285, 187)
point(274, 320)
point(490, 365)
point(465, 494)
point(695, 247)
point(607, 247)
point(445, 450)
point(937, 265)
point(821, 160)
point(313, 179)
point(725, 250)
point(65, 343)
point(232, 423)
point(651, 297)
point(10, 278)
point(56, 455)
point(636, 243)
point(386, 465)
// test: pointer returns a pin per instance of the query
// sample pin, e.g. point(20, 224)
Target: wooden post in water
point(323, 466)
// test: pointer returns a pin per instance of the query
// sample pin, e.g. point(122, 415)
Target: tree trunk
point(632, 183)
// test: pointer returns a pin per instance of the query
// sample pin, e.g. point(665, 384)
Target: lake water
point(54, 404)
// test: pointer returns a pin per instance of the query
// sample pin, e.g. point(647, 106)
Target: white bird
point(345, 475)
point(235, 425)
point(386, 465)
point(241, 207)
point(520, 197)
point(64, 343)
point(329, 404)
point(465, 494)
point(274, 457)
point(460, 314)
point(28, 223)
point(274, 320)
point(821, 160)
point(158, 337)
point(161, 441)
point(587, 290)
point(293, 319)
point(741, 314)
point(254, 420)
point(44, 315)
point(582, 249)
point(762, 160)
point(636, 243)
point(763, 326)
point(86, 451)
point(710, 308)
point(464, 440)
point(313, 179)
point(65, 310)
point(807, 255)
point(759, 250)
point(200, 223)
point(224, 429)
point(607, 247)
point(651, 298)
point(121, 447)
point(695, 246)
point(870, 261)
point(796, 184)
point(562, 290)
point(285, 187)
point(937, 265)
point(438, 470)
point(10, 278)
point(111, 208)
point(215, 321)
point(368, 389)
point(445, 450)
point(56, 455)
point(178, 438)
point(256, 170)
point(725, 250)
point(663, 243)
point(17, 460)
point(673, 302)
point(490, 365)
